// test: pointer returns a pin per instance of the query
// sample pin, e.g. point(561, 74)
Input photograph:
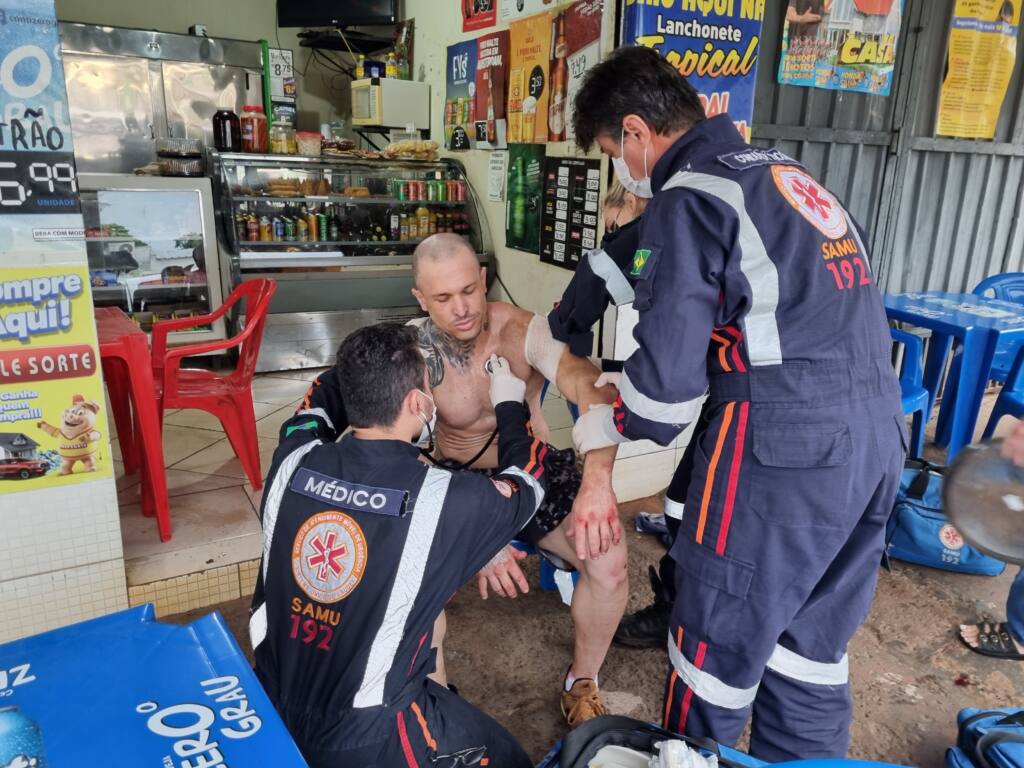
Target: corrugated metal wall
point(941, 213)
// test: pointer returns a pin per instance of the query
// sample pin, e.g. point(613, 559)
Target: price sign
point(38, 182)
point(536, 85)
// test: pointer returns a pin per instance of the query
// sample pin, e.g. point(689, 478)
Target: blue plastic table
point(978, 323)
point(126, 690)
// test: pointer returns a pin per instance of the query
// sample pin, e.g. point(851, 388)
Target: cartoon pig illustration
point(77, 433)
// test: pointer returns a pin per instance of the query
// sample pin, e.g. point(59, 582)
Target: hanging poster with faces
point(569, 216)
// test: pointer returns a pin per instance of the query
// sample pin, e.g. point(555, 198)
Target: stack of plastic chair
point(228, 397)
point(1011, 398)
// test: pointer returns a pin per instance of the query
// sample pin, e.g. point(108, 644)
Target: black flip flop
point(993, 640)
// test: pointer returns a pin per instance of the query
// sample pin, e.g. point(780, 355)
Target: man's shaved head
point(450, 285)
point(439, 247)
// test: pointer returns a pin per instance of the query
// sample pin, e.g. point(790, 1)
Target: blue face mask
point(639, 187)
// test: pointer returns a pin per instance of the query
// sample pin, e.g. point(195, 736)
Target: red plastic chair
point(229, 397)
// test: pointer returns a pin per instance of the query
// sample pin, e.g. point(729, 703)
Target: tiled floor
point(216, 538)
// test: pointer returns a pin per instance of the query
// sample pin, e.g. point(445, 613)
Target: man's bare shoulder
point(508, 322)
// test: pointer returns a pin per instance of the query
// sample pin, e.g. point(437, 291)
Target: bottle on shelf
point(414, 226)
point(311, 224)
point(360, 67)
point(333, 227)
point(266, 233)
point(433, 222)
point(423, 221)
point(321, 224)
point(517, 200)
point(391, 65)
point(394, 225)
point(302, 228)
point(492, 125)
point(403, 227)
point(252, 228)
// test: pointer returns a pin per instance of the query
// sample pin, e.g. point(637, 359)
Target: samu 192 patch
point(640, 259)
point(329, 556)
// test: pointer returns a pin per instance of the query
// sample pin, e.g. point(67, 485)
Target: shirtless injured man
point(578, 522)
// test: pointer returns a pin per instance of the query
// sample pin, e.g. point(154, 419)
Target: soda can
point(20, 738)
point(278, 233)
point(460, 188)
point(413, 191)
point(321, 226)
point(421, 189)
point(431, 191)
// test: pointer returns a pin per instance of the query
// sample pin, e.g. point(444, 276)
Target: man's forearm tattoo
point(437, 346)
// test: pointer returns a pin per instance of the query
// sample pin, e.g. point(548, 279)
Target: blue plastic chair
point(1011, 399)
point(913, 394)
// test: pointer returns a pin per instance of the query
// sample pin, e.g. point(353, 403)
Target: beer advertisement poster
point(53, 421)
point(582, 22)
point(491, 127)
point(528, 87)
point(460, 101)
point(841, 46)
point(478, 14)
point(569, 218)
point(524, 189)
point(714, 45)
point(982, 54)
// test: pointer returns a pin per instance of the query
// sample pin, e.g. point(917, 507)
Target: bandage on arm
point(543, 352)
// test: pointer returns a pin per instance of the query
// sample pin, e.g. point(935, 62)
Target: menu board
point(569, 217)
point(528, 87)
point(491, 88)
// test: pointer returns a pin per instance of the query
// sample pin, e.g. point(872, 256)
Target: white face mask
point(639, 187)
point(427, 433)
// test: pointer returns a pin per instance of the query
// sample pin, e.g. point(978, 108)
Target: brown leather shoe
point(583, 702)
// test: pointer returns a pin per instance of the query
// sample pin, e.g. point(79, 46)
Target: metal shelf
point(306, 246)
point(342, 199)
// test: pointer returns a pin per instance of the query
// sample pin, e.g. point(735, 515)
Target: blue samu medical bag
point(988, 738)
point(919, 531)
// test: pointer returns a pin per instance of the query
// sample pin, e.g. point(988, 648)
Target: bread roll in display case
point(337, 234)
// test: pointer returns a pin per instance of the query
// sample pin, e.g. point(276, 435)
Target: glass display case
point(152, 248)
point(337, 234)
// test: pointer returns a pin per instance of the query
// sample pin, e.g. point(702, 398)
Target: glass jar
point(282, 139)
point(227, 136)
point(308, 143)
point(254, 129)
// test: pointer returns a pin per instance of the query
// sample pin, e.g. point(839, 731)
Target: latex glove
point(503, 574)
point(608, 377)
point(596, 429)
point(505, 385)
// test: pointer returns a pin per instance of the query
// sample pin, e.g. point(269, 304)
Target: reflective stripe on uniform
point(760, 326)
point(706, 686)
point(797, 667)
point(276, 494)
point(652, 410)
point(673, 509)
point(258, 626)
point(317, 412)
point(615, 282)
point(408, 579)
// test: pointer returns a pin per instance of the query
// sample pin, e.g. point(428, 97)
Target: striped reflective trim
point(674, 509)
point(650, 409)
point(317, 412)
point(761, 329)
point(531, 482)
point(272, 503)
point(615, 282)
point(425, 516)
point(797, 667)
point(708, 687)
point(258, 626)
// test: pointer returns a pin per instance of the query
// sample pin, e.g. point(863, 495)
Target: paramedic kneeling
point(363, 544)
point(752, 284)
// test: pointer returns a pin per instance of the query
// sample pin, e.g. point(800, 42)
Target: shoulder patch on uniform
point(754, 158)
point(329, 556)
point(297, 427)
point(352, 496)
point(640, 259)
point(505, 487)
point(815, 203)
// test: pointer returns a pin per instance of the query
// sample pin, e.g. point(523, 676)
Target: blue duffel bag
point(919, 531)
point(988, 738)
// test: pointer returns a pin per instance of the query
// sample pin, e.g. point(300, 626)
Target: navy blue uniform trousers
point(777, 554)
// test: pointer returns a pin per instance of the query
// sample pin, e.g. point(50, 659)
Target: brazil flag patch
point(640, 259)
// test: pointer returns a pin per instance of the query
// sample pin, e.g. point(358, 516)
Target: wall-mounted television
point(335, 13)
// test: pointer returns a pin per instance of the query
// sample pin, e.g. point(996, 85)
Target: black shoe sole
point(637, 642)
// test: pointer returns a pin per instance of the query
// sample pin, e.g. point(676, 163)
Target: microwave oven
point(390, 103)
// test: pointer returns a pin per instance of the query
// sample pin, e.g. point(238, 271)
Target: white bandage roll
point(543, 352)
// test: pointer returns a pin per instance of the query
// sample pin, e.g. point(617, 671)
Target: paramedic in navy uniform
point(752, 285)
point(363, 544)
